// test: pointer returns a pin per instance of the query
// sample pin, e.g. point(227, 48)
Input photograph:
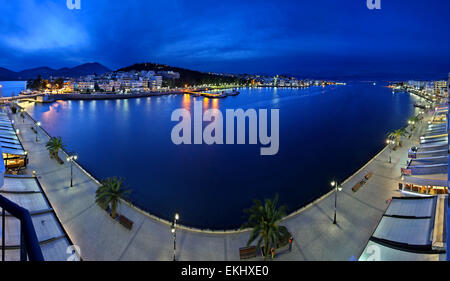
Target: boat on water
point(234, 93)
point(421, 106)
point(214, 95)
point(398, 89)
point(224, 94)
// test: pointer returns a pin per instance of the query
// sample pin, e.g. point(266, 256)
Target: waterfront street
point(315, 237)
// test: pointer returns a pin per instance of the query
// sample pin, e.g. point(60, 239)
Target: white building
point(85, 86)
point(156, 82)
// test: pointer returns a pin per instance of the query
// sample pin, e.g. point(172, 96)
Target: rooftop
point(408, 231)
point(27, 193)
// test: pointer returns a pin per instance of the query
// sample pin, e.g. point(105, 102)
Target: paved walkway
point(315, 237)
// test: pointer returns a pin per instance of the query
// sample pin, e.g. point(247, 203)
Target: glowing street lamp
point(22, 115)
point(389, 142)
point(71, 159)
point(337, 188)
point(38, 124)
point(174, 233)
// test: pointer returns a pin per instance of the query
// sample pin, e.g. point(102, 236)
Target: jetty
point(222, 94)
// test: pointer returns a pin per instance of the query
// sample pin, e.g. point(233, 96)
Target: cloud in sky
point(236, 36)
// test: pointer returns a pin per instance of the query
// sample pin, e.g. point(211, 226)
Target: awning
point(13, 151)
point(11, 145)
point(442, 149)
point(425, 182)
point(412, 207)
point(434, 158)
point(437, 135)
point(435, 144)
point(435, 132)
point(434, 140)
point(428, 169)
point(10, 140)
point(378, 252)
point(424, 162)
point(406, 231)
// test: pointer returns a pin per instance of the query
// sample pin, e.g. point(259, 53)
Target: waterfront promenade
point(315, 237)
point(110, 96)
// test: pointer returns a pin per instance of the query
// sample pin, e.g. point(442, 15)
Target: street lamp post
point(389, 142)
point(174, 233)
point(70, 159)
point(337, 188)
point(38, 124)
point(411, 124)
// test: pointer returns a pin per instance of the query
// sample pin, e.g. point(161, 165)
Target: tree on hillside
point(59, 83)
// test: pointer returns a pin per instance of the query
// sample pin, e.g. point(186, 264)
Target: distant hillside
point(85, 69)
point(6, 74)
point(46, 72)
point(190, 77)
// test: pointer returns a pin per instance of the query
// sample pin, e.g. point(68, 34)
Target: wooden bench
point(356, 187)
point(362, 182)
point(247, 252)
point(125, 222)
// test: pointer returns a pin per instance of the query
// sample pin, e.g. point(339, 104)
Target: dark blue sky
point(314, 37)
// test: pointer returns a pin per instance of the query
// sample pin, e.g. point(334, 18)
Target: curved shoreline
point(55, 97)
point(208, 230)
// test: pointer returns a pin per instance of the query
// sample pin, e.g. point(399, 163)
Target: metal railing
point(29, 243)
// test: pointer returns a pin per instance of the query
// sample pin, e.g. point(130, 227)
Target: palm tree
point(109, 193)
point(397, 134)
point(54, 145)
point(264, 219)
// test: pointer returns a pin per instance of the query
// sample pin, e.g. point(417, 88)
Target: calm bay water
point(325, 133)
point(9, 87)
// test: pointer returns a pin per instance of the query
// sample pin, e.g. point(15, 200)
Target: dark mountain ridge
point(187, 76)
point(46, 72)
